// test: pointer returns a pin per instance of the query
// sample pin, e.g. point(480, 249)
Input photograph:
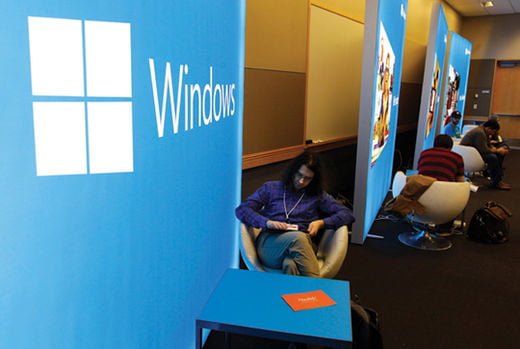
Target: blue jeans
point(292, 251)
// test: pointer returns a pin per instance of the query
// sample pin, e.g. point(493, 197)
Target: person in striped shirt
point(443, 164)
point(440, 162)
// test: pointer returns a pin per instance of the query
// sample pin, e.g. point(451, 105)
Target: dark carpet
point(465, 297)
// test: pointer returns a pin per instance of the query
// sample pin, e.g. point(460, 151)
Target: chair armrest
point(248, 247)
point(332, 251)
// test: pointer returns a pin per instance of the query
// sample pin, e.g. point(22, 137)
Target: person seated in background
point(440, 162)
point(443, 164)
point(452, 129)
point(290, 212)
point(496, 140)
point(479, 138)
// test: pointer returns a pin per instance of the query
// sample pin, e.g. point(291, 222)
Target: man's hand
point(315, 226)
point(276, 225)
point(502, 151)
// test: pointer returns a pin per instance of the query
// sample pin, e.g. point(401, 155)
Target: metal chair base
point(424, 241)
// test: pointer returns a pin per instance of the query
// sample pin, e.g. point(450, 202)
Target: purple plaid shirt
point(267, 203)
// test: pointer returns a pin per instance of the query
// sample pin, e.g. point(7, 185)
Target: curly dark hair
point(312, 162)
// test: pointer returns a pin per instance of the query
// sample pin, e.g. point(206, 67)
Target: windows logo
point(82, 89)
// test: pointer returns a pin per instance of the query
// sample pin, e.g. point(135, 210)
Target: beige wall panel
point(276, 34)
point(352, 9)
point(417, 33)
point(418, 20)
point(273, 110)
point(455, 21)
point(413, 61)
point(334, 75)
point(493, 37)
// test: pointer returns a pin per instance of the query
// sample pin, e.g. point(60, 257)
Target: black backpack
point(365, 327)
point(490, 224)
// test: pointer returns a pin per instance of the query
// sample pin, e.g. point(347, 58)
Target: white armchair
point(443, 201)
point(473, 161)
point(332, 250)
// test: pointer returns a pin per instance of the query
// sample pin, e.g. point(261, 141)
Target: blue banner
point(121, 133)
point(432, 80)
point(456, 78)
point(377, 124)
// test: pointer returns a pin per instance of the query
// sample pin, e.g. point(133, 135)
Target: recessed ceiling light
point(487, 4)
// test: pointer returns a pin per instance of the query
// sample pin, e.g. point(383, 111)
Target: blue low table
point(250, 303)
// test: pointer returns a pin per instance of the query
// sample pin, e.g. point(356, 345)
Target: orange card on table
point(308, 300)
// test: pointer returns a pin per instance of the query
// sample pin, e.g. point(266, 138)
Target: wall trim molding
point(282, 154)
point(276, 155)
point(270, 156)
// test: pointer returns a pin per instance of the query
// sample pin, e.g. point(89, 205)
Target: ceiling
point(472, 8)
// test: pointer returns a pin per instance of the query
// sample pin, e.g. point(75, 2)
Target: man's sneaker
point(501, 186)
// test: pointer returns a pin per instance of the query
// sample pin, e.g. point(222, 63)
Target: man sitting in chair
point(437, 163)
point(479, 138)
point(440, 162)
point(290, 212)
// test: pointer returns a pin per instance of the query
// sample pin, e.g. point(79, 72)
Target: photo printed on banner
point(452, 95)
point(383, 96)
point(434, 92)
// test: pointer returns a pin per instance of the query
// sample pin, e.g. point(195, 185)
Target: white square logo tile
point(110, 137)
point(60, 138)
point(82, 89)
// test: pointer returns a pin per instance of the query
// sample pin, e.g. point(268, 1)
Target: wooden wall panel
point(509, 126)
point(506, 91)
point(273, 110)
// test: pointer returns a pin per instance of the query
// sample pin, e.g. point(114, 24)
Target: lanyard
point(287, 214)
